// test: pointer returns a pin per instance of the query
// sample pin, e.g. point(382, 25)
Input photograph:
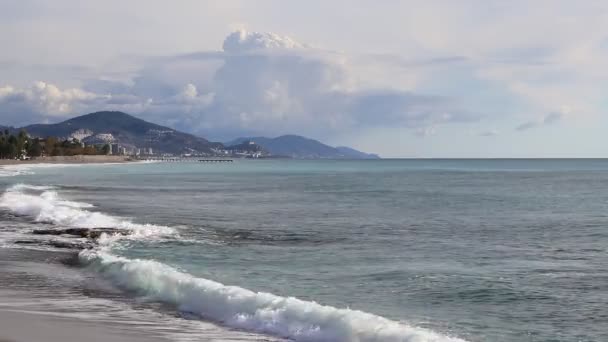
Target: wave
point(43, 204)
point(27, 169)
point(253, 311)
point(7, 171)
point(232, 306)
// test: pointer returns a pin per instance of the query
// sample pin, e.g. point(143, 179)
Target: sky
point(414, 79)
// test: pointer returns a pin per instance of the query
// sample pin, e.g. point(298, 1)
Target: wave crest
point(253, 311)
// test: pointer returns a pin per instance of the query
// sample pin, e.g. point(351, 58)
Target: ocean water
point(272, 250)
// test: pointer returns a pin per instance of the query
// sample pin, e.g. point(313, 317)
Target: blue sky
point(431, 78)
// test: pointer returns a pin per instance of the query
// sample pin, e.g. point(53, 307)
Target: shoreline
point(33, 304)
point(44, 298)
point(80, 159)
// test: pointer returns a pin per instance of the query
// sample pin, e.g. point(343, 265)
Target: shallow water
point(417, 250)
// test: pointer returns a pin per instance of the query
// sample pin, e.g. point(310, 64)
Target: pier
point(187, 159)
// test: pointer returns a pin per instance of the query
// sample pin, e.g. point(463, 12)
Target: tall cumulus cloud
point(259, 83)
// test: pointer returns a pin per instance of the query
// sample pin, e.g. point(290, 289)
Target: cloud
point(260, 83)
point(43, 101)
point(424, 132)
point(489, 133)
point(552, 118)
point(242, 41)
point(549, 119)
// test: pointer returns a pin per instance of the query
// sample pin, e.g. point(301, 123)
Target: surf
point(231, 306)
point(260, 312)
point(43, 204)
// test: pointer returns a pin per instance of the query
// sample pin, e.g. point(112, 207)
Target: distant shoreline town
point(120, 134)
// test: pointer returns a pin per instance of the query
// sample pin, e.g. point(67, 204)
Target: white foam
point(25, 187)
point(28, 169)
point(44, 205)
point(6, 171)
point(253, 311)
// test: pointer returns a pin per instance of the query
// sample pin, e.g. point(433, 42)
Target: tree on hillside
point(15, 146)
point(106, 149)
point(35, 148)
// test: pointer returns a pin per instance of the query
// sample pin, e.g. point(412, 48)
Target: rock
point(90, 233)
point(47, 232)
point(71, 245)
point(57, 244)
point(27, 242)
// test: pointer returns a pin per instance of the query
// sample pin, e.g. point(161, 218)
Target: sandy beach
point(24, 326)
point(34, 307)
point(82, 159)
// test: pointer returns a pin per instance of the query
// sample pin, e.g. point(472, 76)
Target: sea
point(317, 250)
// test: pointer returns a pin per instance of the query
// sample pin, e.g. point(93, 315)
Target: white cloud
point(549, 119)
point(46, 98)
point(241, 41)
point(44, 101)
point(271, 84)
point(262, 83)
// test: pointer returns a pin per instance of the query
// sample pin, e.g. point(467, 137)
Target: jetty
point(187, 159)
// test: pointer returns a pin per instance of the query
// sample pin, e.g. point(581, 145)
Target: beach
point(23, 326)
point(80, 159)
point(46, 297)
point(32, 303)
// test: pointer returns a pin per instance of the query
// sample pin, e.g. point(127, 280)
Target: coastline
point(80, 159)
point(43, 298)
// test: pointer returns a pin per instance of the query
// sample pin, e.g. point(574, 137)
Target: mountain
point(246, 146)
point(349, 152)
point(296, 146)
point(131, 132)
point(126, 130)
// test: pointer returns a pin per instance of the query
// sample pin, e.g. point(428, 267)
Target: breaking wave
point(260, 312)
point(43, 204)
point(232, 306)
point(28, 169)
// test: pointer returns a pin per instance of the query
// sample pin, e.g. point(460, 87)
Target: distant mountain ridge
point(124, 129)
point(131, 132)
point(295, 146)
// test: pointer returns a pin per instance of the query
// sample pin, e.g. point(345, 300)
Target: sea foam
point(7, 171)
point(28, 169)
point(43, 204)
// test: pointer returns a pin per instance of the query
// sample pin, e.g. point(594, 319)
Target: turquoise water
point(394, 250)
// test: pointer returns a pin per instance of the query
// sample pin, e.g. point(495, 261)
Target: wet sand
point(44, 298)
point(23, 326)
point(38, 305)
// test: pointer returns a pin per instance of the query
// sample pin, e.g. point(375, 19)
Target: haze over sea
point(386, 250)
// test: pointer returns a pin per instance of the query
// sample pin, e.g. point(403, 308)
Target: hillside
point(131, 133)
point(124, 129)
point(295, 146)
point(349, 152)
